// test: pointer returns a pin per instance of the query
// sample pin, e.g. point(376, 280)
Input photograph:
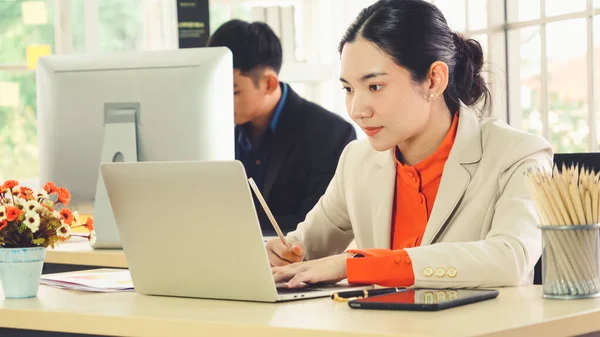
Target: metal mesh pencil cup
point(570, 268)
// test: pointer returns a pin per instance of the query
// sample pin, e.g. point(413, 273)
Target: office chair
point(590, 160)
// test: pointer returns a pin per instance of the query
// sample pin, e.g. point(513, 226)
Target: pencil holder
point(570, 268)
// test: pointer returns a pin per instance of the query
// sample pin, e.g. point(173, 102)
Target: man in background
point(288, 145)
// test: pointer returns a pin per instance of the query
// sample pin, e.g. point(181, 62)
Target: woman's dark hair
point(415, 34)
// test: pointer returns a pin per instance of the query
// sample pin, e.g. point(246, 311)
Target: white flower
point(2, 213)
point(20, 201)
point(31, 205)
point(32, 221)
point(8, 198)
point(64, 231)
point(57, 215)
point(16, 189)
point(41, 194)
point(76, 221)
point(92, 237)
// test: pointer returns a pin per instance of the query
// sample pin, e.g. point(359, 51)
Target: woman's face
point(381, 96)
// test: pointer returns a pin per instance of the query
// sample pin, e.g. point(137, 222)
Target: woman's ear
point(437, 80)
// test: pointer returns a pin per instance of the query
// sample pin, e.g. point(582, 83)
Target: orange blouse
point(414, 196)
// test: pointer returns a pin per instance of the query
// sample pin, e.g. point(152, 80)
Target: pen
point(345, 296)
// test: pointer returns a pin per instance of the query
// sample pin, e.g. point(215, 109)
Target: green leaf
point(38, 241)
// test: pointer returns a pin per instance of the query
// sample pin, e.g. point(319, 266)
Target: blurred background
point(541, 60)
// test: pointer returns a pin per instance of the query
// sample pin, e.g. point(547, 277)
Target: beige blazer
point(483, 226)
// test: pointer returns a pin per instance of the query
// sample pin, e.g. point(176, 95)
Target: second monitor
point(144, 106)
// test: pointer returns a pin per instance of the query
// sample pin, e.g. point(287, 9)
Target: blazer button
point(440, 272)
point(398, 259)
point(452, 272)
point(428, 272)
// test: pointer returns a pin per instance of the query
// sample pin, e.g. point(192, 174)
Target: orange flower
point(12, 213)
point(10, 184)
point(89, 224)
point(3, 224)
point(67, 216)
point(3, 189)
point(50, 187)
point(63, 196)
point(26, 192)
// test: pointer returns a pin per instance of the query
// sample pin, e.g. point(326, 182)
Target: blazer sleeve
point(510, 250)
point(327, 229)
point(505, 257)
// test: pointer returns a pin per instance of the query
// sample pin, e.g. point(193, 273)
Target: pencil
point(269, 214)
point(568, 197)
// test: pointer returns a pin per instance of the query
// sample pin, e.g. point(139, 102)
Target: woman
point(436, 197)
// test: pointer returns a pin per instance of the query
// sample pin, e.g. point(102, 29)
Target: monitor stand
point(119, 145)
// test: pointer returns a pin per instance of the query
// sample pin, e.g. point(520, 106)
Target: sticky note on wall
point(34, 52)
point(34, 12)
point(9, 94)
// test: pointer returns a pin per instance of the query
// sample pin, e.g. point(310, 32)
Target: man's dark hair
point(254, 46)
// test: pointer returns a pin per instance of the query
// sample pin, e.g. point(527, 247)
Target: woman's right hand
point(280, 255)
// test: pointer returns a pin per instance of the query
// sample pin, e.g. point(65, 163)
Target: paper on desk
point(98, 281)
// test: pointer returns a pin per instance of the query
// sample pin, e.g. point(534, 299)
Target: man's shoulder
point(313, 112)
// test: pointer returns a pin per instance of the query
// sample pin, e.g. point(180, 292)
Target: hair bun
point(471, 86)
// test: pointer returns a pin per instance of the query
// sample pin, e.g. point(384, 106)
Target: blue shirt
point(255, 159)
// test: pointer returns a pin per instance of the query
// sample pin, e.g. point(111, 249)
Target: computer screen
point(174, 105)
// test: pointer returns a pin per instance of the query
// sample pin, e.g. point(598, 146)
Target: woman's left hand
point(331, 269)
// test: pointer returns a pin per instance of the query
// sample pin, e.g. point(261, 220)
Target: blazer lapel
point(467, 149)
point(283, 141)
point(451, 190)
point(382, 198)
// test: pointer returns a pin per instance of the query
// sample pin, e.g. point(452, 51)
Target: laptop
point(190, 229)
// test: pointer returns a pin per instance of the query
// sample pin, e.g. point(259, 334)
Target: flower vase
point(21, 270)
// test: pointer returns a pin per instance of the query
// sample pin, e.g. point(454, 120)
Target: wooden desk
point(516, 312)
point(78, 255)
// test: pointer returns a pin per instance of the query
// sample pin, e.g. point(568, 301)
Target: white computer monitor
point(174, 105)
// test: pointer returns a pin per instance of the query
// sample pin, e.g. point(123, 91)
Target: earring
point(431, 95)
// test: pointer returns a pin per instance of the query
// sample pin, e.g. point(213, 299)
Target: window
point(29, 28)
point(25, 28)
point(545, 49)
point(551, 57)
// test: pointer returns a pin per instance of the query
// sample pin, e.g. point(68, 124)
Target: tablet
point(424, 299)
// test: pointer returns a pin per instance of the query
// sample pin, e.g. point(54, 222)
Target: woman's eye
point(348, 90)
point(375, 87)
